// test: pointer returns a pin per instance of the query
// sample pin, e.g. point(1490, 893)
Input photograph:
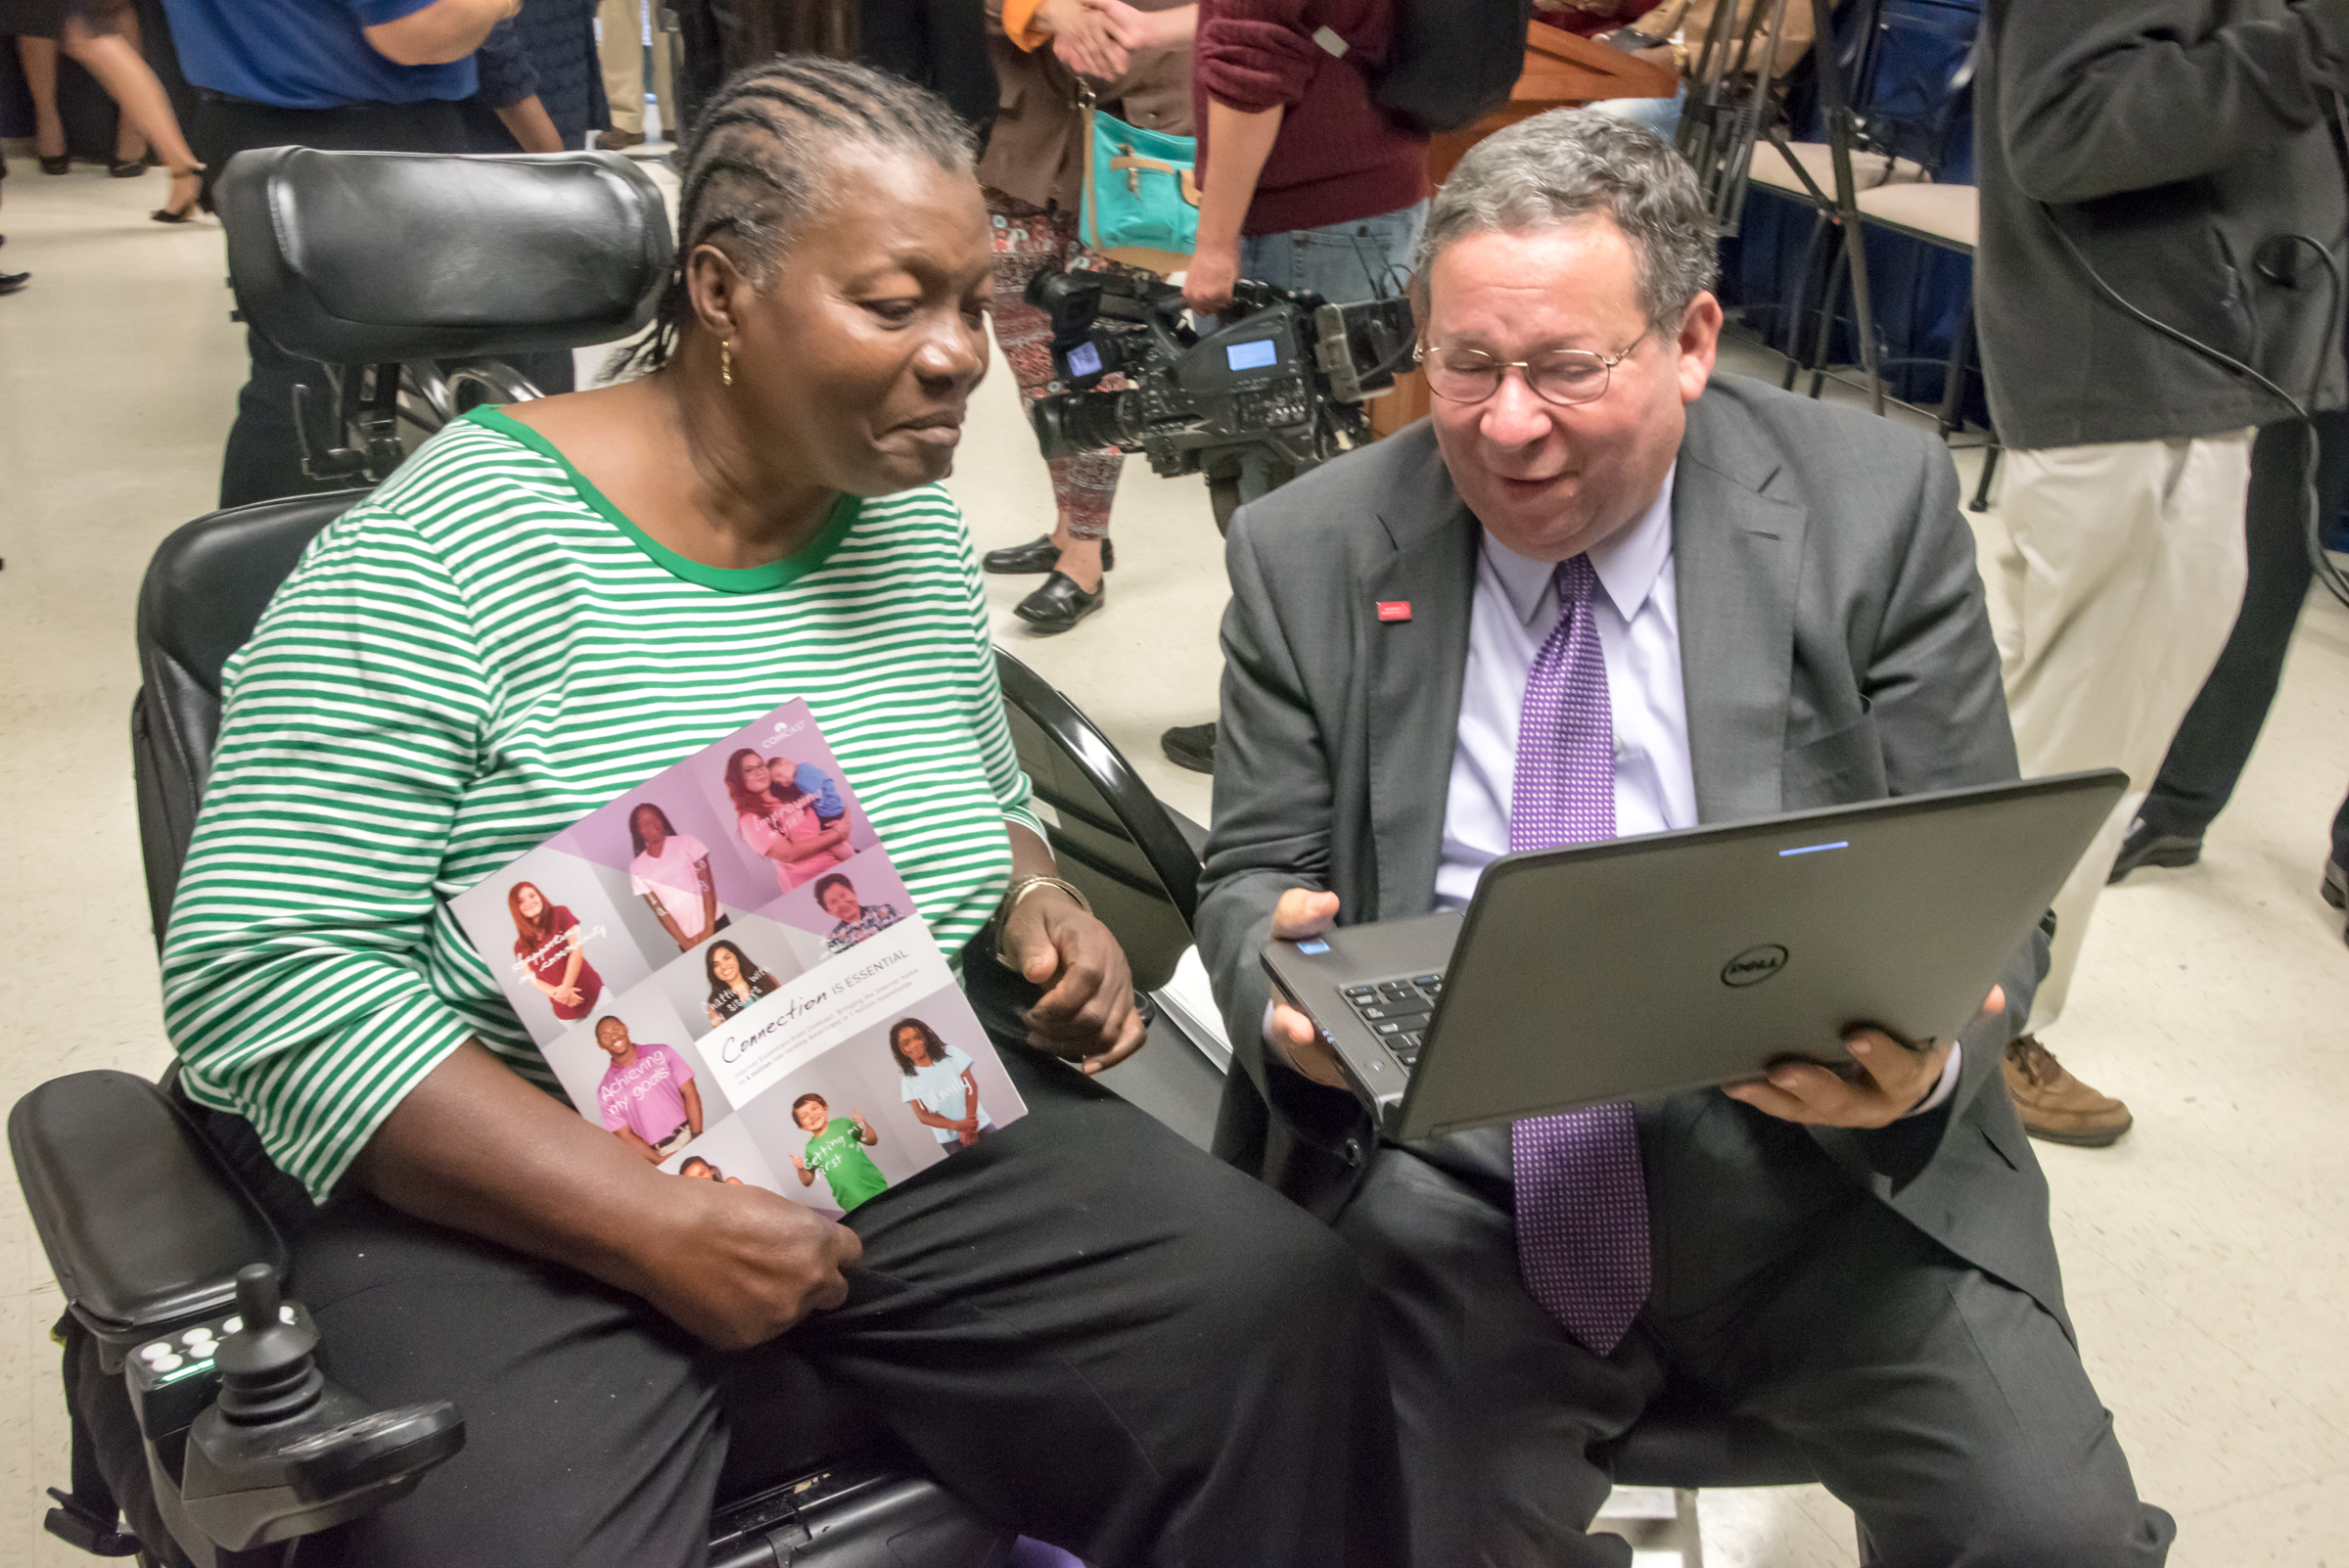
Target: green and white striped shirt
point(471, 660)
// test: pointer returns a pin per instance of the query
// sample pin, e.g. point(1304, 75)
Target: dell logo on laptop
point(1753, 965)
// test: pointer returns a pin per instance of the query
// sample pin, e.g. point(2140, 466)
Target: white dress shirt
point(1639, 618)
point(1516, 607)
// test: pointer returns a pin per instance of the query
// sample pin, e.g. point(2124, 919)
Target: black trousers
point(1085, 1327)
point(939, 44)
point(2215, 738)
point(1950, 1410)
point(263, 459)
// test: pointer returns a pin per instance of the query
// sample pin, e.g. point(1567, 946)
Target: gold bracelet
point(1020, 890)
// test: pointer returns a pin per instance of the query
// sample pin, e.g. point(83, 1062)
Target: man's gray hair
point(1570, 164)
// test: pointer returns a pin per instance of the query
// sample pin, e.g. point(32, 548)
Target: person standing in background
point(91, 33)
point(355, 75)
point(37, 56)
point(2208, 753)
point(2188, 164)
point(621, 31)
point(1305, 181)
point(938, 44)
point(539, 83)
point(1034, 174)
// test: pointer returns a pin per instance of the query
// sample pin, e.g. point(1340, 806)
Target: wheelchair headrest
point(366, 258)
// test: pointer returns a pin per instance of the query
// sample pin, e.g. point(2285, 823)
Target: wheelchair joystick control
point(268, 1372)
point(283, 1452)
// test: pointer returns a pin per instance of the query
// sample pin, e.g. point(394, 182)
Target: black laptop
point(1638, 967)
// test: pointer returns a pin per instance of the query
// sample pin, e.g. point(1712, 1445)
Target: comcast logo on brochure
point(1753, 965)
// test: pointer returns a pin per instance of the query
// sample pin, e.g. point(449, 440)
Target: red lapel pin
point(1394, 609)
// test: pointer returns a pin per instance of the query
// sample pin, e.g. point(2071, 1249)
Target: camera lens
point(1069, 423)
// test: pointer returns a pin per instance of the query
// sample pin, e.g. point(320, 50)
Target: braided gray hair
point(1572, 163)
point(756, 166)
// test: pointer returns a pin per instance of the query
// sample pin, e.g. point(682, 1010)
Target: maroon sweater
point(1339, 156)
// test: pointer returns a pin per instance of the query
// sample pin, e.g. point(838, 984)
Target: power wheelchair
point(405, 278)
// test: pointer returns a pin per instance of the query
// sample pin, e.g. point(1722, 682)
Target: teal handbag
point(1142, 192)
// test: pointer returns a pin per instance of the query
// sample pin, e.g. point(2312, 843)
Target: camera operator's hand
point(1300, 913)
point(1214, 268)
point(740, 1265)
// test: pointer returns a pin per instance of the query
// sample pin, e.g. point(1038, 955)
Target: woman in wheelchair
point(1086, 1328)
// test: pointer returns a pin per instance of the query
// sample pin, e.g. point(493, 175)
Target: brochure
point(724, 972)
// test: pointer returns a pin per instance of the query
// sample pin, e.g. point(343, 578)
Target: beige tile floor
point(2207, 1256)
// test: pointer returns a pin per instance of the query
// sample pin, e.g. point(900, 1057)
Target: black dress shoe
point(1059, 604)
point(1042, 555)
point(11, 282)
point(2335, 887)
point(1191, 746)
point(2147, 845)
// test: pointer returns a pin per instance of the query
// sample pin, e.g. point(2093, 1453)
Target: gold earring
point(725, 361)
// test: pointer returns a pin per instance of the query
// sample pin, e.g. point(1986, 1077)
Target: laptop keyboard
point(1396, 1011)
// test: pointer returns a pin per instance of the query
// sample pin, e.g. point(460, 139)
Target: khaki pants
point(2121, 580)
point(619, 30)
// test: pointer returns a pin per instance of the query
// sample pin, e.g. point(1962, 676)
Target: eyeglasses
point(1563, 376)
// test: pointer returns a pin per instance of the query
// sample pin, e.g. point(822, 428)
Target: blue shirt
point(813, 781)
point(305, 53)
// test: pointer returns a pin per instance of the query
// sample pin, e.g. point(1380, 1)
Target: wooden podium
point(1562, 69)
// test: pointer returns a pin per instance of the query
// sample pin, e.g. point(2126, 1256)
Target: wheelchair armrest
point(144, 1223)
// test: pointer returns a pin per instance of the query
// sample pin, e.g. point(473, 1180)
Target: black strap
point(86, 1516)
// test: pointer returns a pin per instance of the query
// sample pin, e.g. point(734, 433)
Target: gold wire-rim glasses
point(1556, 376)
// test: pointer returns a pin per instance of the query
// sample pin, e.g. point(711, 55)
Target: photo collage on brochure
point(724, 971)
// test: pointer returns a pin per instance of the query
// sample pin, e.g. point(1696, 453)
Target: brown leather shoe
point(611, 141)
point(2054, 1105)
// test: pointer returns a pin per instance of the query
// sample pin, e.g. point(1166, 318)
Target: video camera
point(1283, 373)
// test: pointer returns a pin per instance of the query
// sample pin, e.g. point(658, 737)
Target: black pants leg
point(2215, 738)
point(1949, 1410)
point(1085, 1327)
point(263, 459)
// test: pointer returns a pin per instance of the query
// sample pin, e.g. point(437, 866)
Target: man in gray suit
point(1598, 560)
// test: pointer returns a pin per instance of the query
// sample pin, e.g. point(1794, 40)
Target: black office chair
point(148, 1206)
point(1115, 840)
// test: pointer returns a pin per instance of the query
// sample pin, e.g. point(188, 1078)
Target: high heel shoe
point(184, 210)
point(63, 164)
point(130, 168)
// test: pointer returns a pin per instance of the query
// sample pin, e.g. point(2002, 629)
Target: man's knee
point(2046, 1520)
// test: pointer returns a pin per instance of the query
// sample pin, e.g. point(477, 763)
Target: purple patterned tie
point(1582, 1200)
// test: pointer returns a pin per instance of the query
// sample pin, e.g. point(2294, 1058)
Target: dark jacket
point(1834, 648)
point(2174, 141)
point(546, 51)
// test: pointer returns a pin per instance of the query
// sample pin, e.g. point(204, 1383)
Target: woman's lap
point(1084, 1326)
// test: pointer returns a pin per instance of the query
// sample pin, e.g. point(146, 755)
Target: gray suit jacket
point(1834, 647)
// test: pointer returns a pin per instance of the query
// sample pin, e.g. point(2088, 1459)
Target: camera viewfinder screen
point(1256, 355)
point(1084, 361)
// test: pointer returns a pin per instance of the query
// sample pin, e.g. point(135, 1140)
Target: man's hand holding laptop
point(1890, 1081)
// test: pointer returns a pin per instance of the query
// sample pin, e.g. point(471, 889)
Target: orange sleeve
point(1019, 24)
